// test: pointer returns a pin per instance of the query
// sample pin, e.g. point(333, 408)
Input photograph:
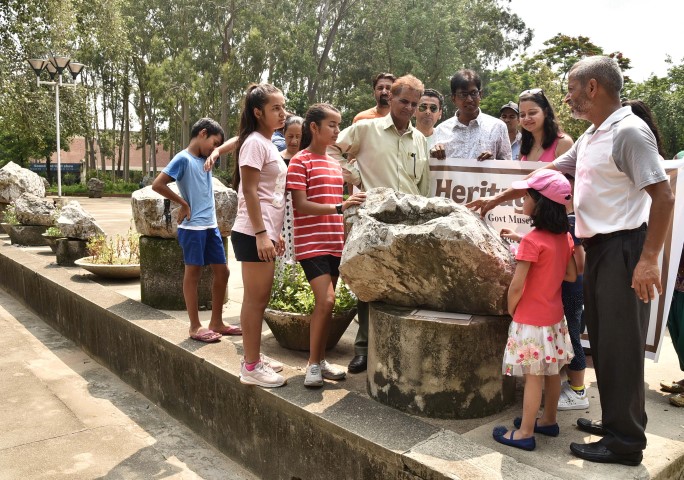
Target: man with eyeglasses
point(388, 152)
point(429, 113)
point(382, 85)
point(510, 115)
point(470, 133)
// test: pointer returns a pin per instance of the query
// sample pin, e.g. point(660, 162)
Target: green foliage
point(10, 215)
point(53, 232)
point(75, 189)
point(291, 292)
point(115, 251)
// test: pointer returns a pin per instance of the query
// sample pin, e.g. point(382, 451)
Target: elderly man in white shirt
point(470, 133)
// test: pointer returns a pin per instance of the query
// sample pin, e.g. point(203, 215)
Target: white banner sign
point(466, 180)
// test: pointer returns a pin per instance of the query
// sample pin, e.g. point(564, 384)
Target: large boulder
point(413, 251)
point(95, 187)
point(74, 222)
point(33, 210)
point(15, 180)
point(151, 218)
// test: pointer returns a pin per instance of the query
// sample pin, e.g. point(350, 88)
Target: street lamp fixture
point(55, 66)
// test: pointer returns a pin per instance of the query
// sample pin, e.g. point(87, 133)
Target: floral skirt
point(537, 350)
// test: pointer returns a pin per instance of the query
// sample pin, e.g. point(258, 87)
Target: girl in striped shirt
point(315, 180)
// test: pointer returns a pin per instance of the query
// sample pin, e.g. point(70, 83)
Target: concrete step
point(292, 432)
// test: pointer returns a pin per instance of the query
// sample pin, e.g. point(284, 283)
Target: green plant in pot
point(288, 314)
point(51, 235)
point(113, 257)
point(9, 217)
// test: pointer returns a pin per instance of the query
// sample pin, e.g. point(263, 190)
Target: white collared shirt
point(483, 133)
point(612, 164)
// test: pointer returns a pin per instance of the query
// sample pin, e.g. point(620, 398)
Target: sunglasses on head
point(424, 106)
point(531, 91)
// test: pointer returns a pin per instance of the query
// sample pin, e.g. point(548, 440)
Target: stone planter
point(5, 227)
point(69, 250)
point(438, 364)
point(161, 275)
point(52, 241)
point(28, 235)
point(291, 330)
point(131, 270)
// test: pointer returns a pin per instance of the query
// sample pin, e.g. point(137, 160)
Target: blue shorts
point(202, 247)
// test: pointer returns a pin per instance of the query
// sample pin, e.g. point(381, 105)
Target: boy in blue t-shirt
point(198, 233)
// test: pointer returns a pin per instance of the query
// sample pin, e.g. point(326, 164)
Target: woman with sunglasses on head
point(542, 139)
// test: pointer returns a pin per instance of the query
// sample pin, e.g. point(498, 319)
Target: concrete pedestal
point(69, 250)
point(443, 366)
point(29, 235)
point(161, 275)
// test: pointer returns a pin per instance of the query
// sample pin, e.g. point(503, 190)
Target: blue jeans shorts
point(202, 247)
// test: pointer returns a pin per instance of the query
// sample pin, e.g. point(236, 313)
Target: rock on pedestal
point(74, 222)
point(161, 275)
point(33, 210)
point(95, 187)
point(415, 251)
point(28, 235)
point(15, 180)
point(446, 367)
point(69, 250)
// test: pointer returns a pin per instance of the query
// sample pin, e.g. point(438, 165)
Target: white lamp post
point(55, 66)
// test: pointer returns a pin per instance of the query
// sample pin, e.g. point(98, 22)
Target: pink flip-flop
point(229, 330)
point(205, 335)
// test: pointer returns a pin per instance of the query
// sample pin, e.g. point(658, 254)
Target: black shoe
point(358, 364)
point(595, 427)
point(596, 452)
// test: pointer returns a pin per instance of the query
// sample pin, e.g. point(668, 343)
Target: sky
point(644, 31)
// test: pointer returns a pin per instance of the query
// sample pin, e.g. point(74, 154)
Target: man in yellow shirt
point(388, 152)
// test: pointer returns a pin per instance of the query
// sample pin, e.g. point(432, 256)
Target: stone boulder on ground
point(151, 219)
point(15, 180)
point(413, 251)
point(75, 222)
point(33, 210)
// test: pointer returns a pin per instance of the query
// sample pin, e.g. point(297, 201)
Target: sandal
point(671, 387)
point(205, 335)
point(228, 330)
point(677, 400)
point(528, 444)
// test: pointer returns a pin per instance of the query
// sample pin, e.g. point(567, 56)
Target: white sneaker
point(313, 376)
point(262, 375)
point(332, 372)
point(570, 400)
point(275, 365)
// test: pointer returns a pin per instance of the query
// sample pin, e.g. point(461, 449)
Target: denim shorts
point(202, 247)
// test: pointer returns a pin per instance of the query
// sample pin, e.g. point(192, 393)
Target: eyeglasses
point(474, 94)
point(424, 106)
point(532, 91)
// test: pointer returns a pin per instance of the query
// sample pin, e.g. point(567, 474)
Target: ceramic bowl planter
point(291, 330)
point(105, 270)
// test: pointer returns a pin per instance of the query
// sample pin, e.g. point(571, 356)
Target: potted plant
point(9, 218)
point(288, 314)
point(117, 257)
point(51, 235)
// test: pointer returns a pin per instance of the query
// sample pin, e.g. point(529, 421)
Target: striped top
point(321, 178)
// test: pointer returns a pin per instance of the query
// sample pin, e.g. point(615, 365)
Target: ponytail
point(315, 114)
point(256, 96)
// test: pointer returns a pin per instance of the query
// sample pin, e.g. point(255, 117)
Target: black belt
point(602, 237)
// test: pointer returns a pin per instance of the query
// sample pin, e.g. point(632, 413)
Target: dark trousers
point(361, 342)
point(617, 322)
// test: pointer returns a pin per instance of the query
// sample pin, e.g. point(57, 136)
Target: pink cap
point(550, 183)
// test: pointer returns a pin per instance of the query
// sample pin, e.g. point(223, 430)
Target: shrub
point(292, 293)
point(115, 251)
point(10, 215)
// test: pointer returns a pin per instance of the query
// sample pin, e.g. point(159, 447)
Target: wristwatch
point(338, 207)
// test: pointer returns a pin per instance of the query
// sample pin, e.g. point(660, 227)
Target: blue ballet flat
point(549, 430)
point(523, 443)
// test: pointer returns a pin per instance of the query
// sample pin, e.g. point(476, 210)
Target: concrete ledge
point(287, 433)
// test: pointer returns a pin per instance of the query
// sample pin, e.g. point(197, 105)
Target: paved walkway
point(63, 416)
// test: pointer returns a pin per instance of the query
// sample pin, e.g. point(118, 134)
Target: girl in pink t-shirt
point(538, 341)
point(259, 179)
point(315, 180)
